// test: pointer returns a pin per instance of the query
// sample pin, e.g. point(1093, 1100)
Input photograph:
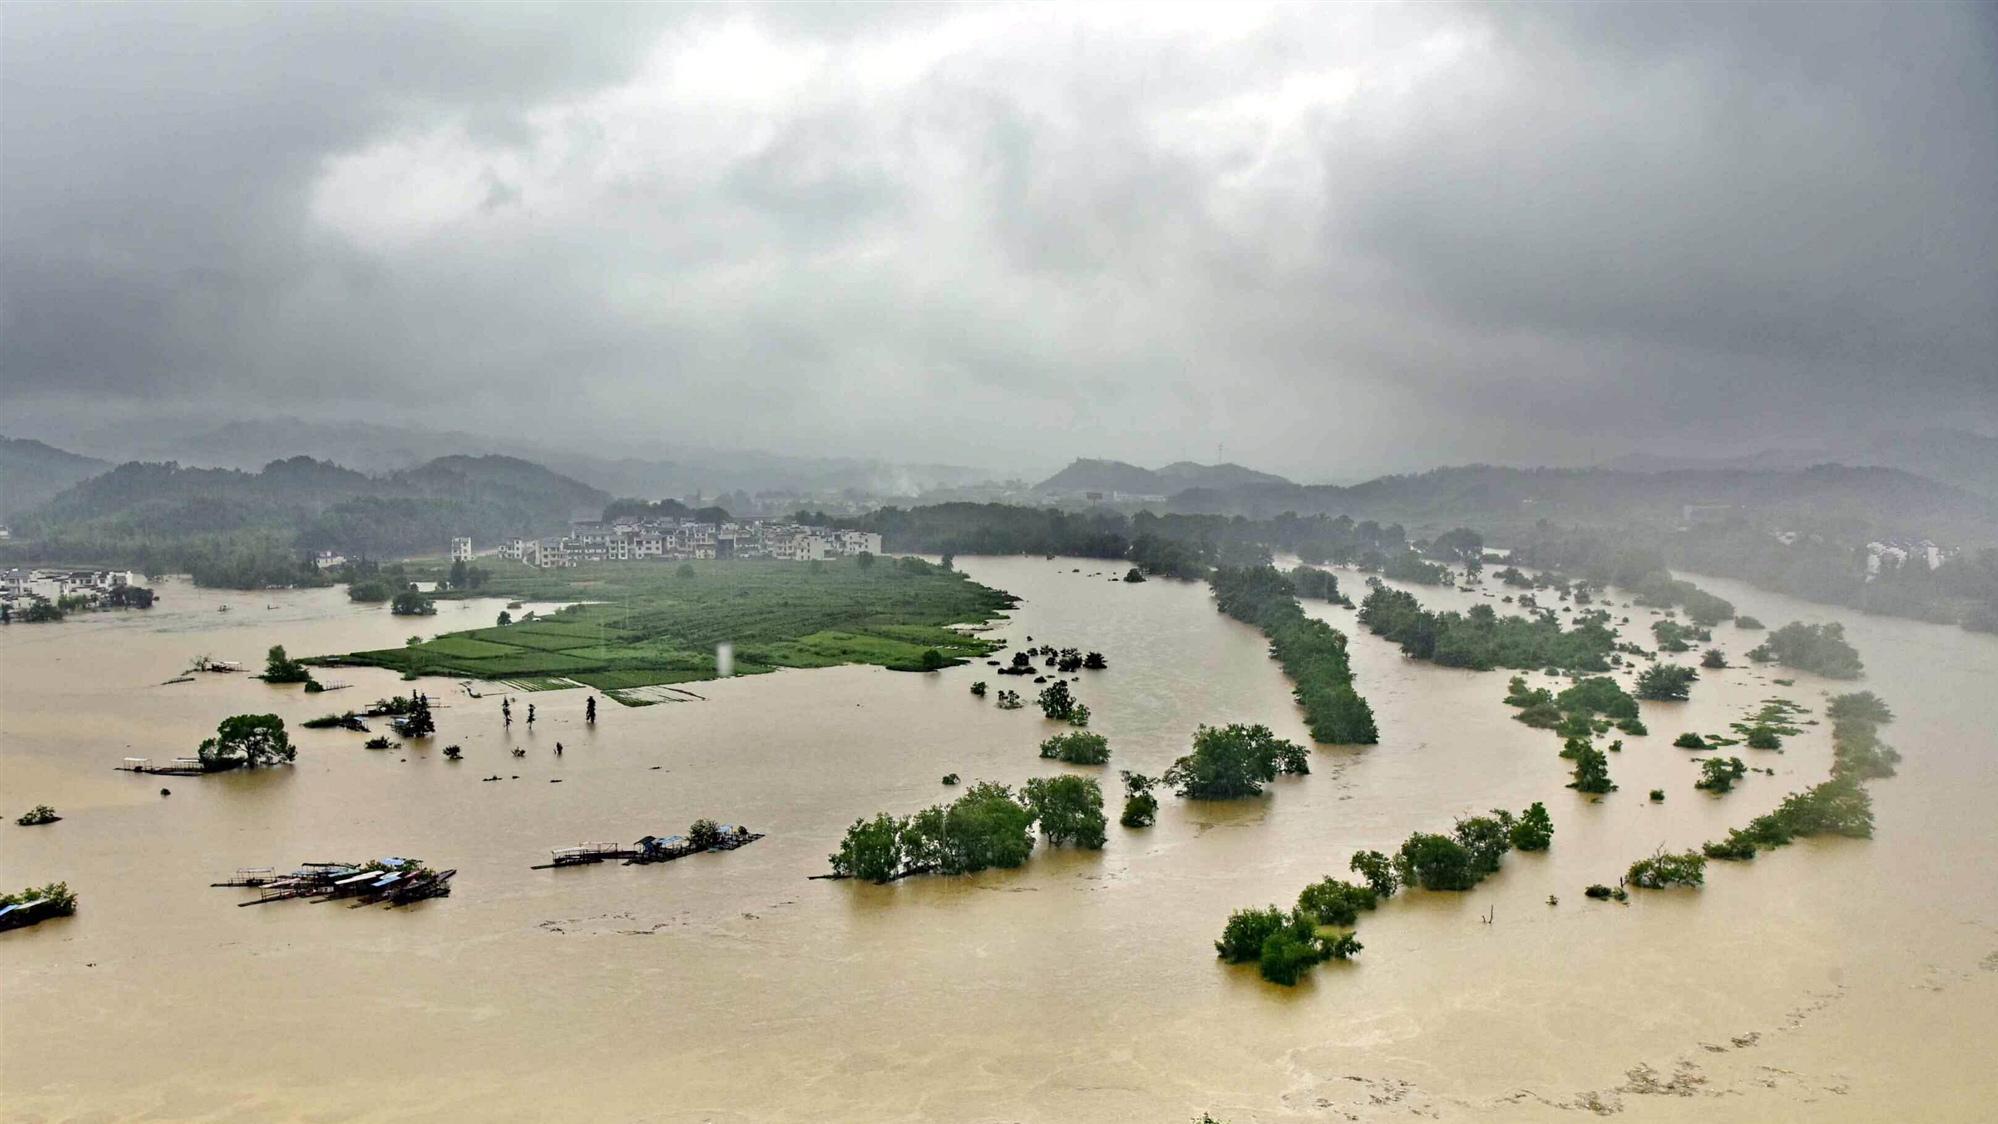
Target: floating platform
point(178, 767)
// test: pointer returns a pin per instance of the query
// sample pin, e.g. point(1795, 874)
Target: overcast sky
point(1329, 240)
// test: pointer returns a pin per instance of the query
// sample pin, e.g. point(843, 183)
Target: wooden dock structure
point(178, 767)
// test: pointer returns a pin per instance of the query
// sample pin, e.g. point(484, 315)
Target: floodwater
point(1826, 981)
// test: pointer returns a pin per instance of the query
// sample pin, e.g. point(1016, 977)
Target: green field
point(641, 624)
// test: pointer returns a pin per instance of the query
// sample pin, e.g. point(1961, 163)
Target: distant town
point(37, 595)
point(676, 540)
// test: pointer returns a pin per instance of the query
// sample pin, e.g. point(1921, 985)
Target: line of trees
point(1838, 806)
point(1284, 944)
point(986, 827)
point(1311, 652)
point(1482, 640)
point(1818, 648)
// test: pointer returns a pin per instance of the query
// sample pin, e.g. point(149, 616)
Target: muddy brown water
point(1827, 981)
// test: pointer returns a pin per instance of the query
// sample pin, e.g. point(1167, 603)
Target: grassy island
point(641, 624)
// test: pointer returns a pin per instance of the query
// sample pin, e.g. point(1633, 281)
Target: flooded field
point(1824, 981)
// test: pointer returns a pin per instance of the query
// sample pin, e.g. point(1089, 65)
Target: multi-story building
point(461, 550)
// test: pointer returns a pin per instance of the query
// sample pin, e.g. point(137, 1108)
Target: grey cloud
point(1332, 239)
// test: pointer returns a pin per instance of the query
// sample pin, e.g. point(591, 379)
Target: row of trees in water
point(1311, 652)
point(1817, 648)
point(1284, 944)
point(1174, 545)
point(1834, 567)
point(987, 826)
point(1839, 805)
point(1481, 639)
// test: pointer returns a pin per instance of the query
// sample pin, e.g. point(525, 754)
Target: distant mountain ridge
point(32, 473)
point(619, 468)
point(325, 506)
point(1884, 500)
point(1952, 456)
point(1107, 476)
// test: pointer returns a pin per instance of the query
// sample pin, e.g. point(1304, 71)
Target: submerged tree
point(1591, 771)
point(1435, 862)
point(1056, 701)
point(1077, 747)
point(1686, 868)
point(1819, 648)
point(1141, 808)
point(1070, 810)
point(871, 850)
point(247, 740)
point(1334, 901)
point(1234, 761)
point(412, 603)
point(1666, 682)
point(1718, 774)
point(1378, 870)
point(418, 723)
point(1535, 829)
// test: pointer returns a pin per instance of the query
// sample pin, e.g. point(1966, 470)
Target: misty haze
point(1194, 564)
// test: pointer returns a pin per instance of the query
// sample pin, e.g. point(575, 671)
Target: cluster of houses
point(20, 587)
point(1896, 553)
point(625, 541)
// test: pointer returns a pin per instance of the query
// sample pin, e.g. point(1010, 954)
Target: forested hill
point(1084, 475)
point(1881, 501)
point(32, 473)
point(165, 516)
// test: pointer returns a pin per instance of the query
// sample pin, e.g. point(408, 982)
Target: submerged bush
point(1069, 809)
point(1077, 747)
point(1718, 774)
point(1334, 901)
point(1141, 808)
point(1686, 868)
point(1234, 761)
point(1378, 870)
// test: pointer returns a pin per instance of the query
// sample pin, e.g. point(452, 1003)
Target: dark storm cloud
point(1328, 238)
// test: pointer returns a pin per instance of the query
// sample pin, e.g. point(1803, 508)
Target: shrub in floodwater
point(1535, 829)
point(1718, 774)
point(1077, 747)
point(1435, 862)
point(1689, 740)
point(1056, 701)
point(1378, 870)
point(1591, 772)
point(1685, 868)
point(1666, 682)
point(247, 741)
point(1234, 761)
point(1069, 809)
point(1334, 901)
point(1762, 737)
point(1141, 808)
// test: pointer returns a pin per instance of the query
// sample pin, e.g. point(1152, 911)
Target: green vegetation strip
point(1313, 653)
point(643, 624)
point(1483, 640)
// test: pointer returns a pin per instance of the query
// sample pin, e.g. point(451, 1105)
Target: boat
point(24, 913)
point(425, 884)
